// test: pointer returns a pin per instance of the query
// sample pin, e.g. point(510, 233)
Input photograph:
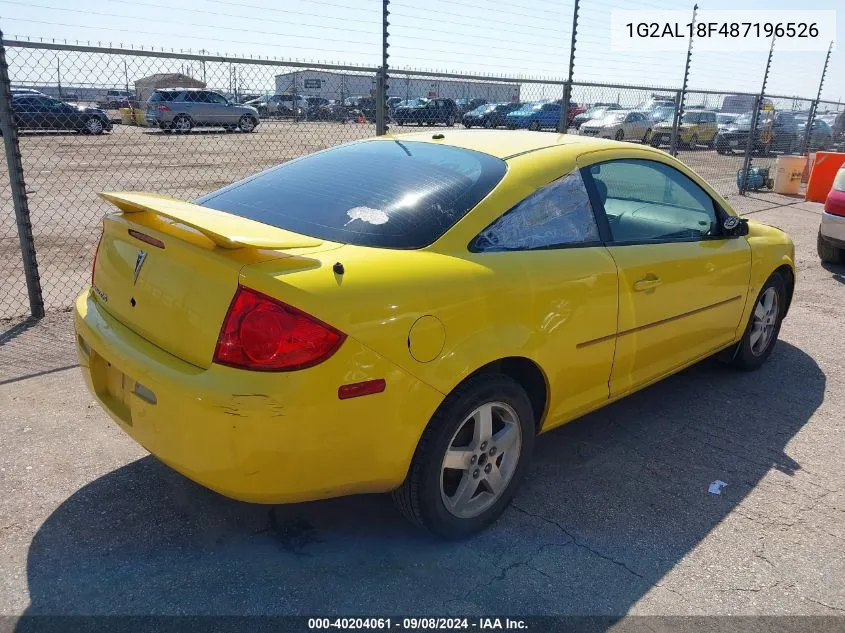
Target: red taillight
point(96, 252)
point(835, 203)
point(164, 108)
point(264, 334)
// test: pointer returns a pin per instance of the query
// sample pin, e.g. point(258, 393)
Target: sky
point(526, 38)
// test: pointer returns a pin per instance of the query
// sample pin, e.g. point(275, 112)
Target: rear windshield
point(386, 194)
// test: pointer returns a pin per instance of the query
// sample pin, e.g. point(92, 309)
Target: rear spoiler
point(224, 229)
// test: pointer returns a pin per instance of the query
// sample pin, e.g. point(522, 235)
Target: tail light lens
point(264, 334)
point(164, 108)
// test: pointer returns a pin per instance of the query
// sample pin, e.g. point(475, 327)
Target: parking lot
point(65, 170)
point(615, 517)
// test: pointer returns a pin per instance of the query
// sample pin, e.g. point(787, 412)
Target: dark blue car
point(536, 115)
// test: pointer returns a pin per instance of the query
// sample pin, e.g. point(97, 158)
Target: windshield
point(614, 117)
point(725, 118)
point(743, 119)
point(409, 195)
point(692, 117)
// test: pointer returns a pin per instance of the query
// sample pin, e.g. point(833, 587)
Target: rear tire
point(693, 142)
point(247, 124)
point(182, 124)
point(828, 253)
point(431, 495)
point(763, 327)
point(534, 126)
point(620, 135)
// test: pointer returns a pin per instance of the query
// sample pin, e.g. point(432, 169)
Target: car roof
point(506, 144)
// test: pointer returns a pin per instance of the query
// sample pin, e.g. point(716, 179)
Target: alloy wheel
point(94, 125)
point(480, 460)
point(764, 321)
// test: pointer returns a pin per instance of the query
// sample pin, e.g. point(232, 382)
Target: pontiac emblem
point(139, 264)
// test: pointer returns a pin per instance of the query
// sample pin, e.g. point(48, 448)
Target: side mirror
point(734, 226)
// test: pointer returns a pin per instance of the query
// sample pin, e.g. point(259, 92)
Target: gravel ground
point(615, 517)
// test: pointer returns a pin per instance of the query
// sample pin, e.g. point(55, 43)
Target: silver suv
point(182, 109)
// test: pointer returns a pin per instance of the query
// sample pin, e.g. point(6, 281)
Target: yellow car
point(696, 127)
point(406, 313)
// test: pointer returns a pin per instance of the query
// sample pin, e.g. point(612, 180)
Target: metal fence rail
point(114, 138)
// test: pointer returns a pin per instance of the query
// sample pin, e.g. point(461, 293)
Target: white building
point(340, 85)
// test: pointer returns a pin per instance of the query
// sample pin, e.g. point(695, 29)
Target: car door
point(682, 282)
point(546, 253)
point(25, 112)
point(550, 115)
point(215, 109)
point(708, 126)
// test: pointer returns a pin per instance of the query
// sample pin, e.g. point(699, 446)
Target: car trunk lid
point(168, 269)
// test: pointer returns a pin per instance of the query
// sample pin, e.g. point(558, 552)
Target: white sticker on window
point(368, 215)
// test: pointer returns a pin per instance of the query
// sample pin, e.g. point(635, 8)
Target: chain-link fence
point(89, 119)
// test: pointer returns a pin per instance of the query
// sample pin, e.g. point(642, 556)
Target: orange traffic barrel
point(821, 177)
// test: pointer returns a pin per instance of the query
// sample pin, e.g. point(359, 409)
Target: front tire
point(471, 458)
point(620, 135)
point(828, 253)
point(534, 126)
point(763, 327)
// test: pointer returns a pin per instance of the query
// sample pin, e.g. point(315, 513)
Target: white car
point(831, 240)
point(622, 125)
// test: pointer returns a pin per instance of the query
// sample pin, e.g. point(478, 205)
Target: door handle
point(649, 282)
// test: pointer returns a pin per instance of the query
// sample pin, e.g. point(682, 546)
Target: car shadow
point(837, 271)
point(612, 503)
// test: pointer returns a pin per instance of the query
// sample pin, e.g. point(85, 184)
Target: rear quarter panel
point(537, 305)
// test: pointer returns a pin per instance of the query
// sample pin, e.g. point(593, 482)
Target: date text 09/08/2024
point(723, 29)
point(418, 624)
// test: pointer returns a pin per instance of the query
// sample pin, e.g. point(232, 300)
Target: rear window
point(385, 194)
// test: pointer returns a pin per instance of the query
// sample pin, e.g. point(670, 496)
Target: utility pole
point(682, 97)
point(59, 75)
point(755, 116)
point(811, 119)
point(563, 124)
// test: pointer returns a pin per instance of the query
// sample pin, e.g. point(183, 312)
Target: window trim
point(549, 247)
point(604, 224)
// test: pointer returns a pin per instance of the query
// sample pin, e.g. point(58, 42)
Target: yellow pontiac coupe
point(406, 313)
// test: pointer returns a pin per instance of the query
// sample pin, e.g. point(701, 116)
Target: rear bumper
point(257, 436)
point(833, 228)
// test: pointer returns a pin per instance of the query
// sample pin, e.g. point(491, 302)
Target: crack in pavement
point(574, 541)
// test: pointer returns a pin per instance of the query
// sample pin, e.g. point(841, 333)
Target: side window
point(559, 214)
point(213, 97)
point(648, 201)
point(191, 96)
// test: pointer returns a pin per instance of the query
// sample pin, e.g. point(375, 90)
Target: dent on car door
point(682, 283)
point(547, 255)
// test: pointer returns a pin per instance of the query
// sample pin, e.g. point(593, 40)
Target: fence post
point(752, 131)
point(381, 76)
point(682, 96)
point(808, 132)
point(18, 187)
point(563, 124)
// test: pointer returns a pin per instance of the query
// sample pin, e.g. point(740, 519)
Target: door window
point(557, 215)
point(648, 201)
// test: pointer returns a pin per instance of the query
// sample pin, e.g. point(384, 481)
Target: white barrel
point(788, 174)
